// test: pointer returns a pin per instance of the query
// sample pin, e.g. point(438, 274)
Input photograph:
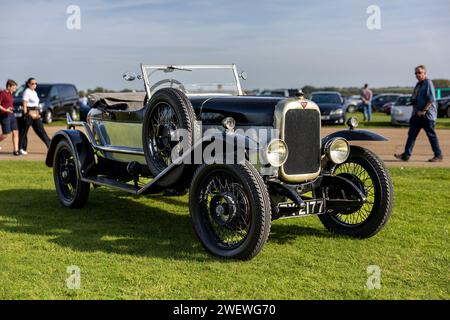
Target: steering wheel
point(171, 81)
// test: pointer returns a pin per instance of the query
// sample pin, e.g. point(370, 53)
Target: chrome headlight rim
point(337, 150)
point(274, 147)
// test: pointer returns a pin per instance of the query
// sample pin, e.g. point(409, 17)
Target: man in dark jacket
point(424, 116)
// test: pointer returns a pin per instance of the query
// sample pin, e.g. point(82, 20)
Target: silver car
point(402, 110)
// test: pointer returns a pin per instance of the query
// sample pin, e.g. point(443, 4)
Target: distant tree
point(308, 89)
point(441, 83)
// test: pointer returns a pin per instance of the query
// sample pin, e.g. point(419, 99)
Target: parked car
point(380, 100)
point(84, 108)
point(246, 160)
point(402, 110)
point(279, 93)
point(443, 106)
point(387, 107)
point(55, 100)
point(331, 106)
point(351, 103)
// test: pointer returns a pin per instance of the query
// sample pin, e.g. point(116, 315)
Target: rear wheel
point(366, 171)
point(230, 210)
point(72, 192)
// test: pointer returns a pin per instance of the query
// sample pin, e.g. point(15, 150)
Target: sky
point(279, 43)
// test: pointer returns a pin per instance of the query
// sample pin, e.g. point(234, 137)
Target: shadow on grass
point(115, 222)
point(111, 222)
point(283, 234)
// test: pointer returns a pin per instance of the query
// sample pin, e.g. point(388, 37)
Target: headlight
point(41, 107)
point(337, 150)
point(277, 152)
point(337, 111)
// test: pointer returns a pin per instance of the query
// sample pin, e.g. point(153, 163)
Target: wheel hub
point(163, 136)
point(223, 208)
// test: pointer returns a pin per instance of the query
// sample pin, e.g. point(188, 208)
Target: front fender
point(80, 144)
point(354, 135)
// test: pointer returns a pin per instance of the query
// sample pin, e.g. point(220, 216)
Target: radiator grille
point(302, 136)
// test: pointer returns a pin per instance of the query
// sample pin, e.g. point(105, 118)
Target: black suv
point(444, 107)
point(55, 100)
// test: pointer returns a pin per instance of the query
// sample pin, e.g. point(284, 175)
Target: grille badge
point(304, 104)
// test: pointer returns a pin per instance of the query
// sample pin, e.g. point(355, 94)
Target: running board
point(114, 184)
point(151, 187)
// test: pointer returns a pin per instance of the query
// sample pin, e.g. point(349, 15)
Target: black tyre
point(351, 108)
point(74, 113)
point(72, 192)
point(167, 111)
point(230, 210)
point(48, 116)
point(368, 173)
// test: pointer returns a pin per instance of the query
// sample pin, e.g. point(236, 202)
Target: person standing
point(424, 116)
point(7, 119)
point(31, 116)
point(366, 97)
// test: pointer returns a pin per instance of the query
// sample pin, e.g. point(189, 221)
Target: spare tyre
point(167, 111)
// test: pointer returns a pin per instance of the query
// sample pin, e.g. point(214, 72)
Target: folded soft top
point(117, 100)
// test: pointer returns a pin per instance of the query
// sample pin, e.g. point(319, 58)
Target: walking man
point(424, 116)
point(366, 97)
point(7, 119)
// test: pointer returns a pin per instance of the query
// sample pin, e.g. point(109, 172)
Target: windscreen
point(193, 80)
point(403, 101)
point(326, 98)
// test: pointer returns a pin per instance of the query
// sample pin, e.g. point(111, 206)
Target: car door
point(55, 100)
point(66, 103)
point(73, 98)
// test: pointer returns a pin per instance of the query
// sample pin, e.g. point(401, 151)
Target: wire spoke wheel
point(361, 178)
point(368, 173)
point(72, 191)
point(230, 209)
point(167, 133)
point(225, 209)
point(162, 131)
point(67, 175)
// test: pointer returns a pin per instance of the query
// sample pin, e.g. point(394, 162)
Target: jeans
point(367, 111)
point(416, 123)
point(38, 127)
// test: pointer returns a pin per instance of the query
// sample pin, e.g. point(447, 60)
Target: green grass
point(382, 120)
point(136, 248)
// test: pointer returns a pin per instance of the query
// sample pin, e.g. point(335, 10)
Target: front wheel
point(72, 192)
point(75, 114)
point(351, 108)
point(230, 210)
point(366, 171)
point(48, 116)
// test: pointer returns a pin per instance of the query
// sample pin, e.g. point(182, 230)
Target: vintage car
point(245, 160)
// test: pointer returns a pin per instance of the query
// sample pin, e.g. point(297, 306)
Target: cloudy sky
point(283, 43)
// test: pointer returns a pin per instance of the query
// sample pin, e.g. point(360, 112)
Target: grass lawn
point(145, 248)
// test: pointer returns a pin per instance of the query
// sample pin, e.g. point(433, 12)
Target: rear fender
point(84, 153)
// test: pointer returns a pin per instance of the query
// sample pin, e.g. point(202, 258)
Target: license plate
point(316, 206)
point(325, 117)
